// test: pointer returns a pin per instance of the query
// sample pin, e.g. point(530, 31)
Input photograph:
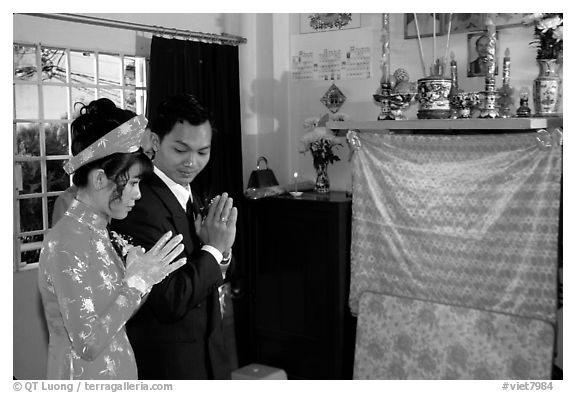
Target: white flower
point(318, 133)
point(311, 122)
point(558, 33)
point(549, 23)
point(339, 117)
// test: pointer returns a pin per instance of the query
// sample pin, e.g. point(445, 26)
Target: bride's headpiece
point(126, 138)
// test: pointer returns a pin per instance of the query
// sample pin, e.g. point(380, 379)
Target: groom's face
point(184, 151)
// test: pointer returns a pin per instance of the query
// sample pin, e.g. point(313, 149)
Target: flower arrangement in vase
point(548, 31)
point(321, 144)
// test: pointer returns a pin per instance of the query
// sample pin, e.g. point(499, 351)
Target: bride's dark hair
point(95, 120)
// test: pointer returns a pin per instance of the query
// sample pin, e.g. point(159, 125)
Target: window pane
point(82, 67)
point(109, 69)
point(30, 256)
point(140, 72)
point(58, 180)
point(53, 65)
point(31, 182)
point(24, 58)
point(129, 72)
point(81, 95)
point(26, 101)
point(140, 101)
point(113, 94)
point(56, 139)
point(27, 139)
point(130, 100)
point(51, 201)
point(30, 214)
point(32, 245)
point(55, 102)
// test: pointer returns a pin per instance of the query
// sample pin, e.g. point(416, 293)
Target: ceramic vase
point(547, 89)
point(433, 96)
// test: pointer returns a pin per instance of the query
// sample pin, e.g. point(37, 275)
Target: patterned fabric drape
point(467, 220)
point(399, 338)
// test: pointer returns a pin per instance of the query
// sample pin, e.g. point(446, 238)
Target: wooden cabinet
point(299, 274)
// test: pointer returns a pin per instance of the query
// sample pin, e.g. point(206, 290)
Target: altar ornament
point(547, 87)
point(382, 97)
point(463, 103)
point(489, 109)
point(506, 92)
point(434, 89)
point(333, 99)
point(454, 109)
point(402, 94)
point(385, 47)
point(524, 110)
point(433, 93)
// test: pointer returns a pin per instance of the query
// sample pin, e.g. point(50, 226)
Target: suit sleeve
point(184, 288)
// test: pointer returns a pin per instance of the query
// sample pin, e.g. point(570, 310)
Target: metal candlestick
point(506, 91)
point(489, 109)
point(383, 99)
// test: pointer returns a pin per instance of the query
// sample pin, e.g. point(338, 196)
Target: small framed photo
point(478, 45)
point(316, 23)
point(462, 23)
point(425, 25)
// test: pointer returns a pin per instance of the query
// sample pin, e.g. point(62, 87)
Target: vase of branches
point(547, 86)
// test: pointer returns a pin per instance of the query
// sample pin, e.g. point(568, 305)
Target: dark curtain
point(211, 73)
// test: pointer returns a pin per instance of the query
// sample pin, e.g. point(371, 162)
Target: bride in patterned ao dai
point(88, 290)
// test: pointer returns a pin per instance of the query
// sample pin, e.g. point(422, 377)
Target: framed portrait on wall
point(425, 25)
point(462, 23)
point(316, 23)
point(478, 44)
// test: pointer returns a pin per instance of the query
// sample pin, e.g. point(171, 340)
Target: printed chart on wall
point(346, 58)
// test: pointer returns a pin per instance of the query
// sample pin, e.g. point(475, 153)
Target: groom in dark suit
point(177, 333)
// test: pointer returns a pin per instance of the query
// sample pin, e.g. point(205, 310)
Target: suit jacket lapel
point(175, 209)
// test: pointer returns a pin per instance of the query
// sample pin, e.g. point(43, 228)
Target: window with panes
point(50, 85)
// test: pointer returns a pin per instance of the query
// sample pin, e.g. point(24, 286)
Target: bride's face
point(119, 208)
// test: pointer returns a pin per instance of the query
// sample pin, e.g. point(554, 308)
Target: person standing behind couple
point(177, 334)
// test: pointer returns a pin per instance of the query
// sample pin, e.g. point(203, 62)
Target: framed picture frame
point(425, 25)
point(463, 23)
point(477, 51)
point(317, 23)
point(504, 21)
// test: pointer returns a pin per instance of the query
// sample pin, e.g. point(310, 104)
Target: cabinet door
point(299, 282)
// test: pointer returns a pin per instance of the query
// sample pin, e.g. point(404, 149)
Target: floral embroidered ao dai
point(86, 302)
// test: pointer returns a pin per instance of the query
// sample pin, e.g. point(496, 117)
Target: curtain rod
point(224, 38)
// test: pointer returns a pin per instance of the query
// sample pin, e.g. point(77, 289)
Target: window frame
point(139, 89)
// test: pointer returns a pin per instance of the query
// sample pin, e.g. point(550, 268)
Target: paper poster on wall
point(348, 55)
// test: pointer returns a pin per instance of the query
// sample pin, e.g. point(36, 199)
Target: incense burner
point(433, 96)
